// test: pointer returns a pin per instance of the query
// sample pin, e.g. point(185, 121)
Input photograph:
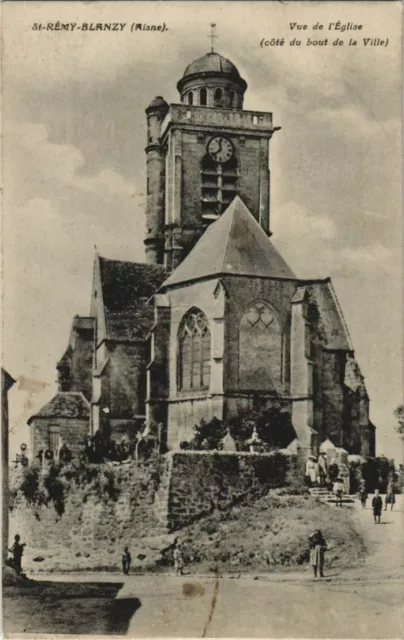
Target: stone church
point(215, 321)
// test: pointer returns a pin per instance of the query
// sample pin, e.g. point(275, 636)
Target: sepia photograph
point(202, 319)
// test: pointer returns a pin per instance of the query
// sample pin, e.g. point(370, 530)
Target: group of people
point(97, 449)
point(63, 456)
point(319, 472)
point(177, 556)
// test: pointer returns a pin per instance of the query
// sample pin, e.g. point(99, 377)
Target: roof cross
point(212, 36)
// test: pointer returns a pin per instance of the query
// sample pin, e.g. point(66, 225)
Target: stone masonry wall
point(146, 504)
point(243, 293)
point(197, 482)
point(94, 528)
point(127, 379)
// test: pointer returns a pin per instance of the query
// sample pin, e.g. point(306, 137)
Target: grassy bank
point(271, 534)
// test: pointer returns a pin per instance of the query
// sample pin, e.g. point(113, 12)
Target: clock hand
point(219, 149)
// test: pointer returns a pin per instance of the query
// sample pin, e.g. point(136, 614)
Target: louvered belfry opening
point(218, 186)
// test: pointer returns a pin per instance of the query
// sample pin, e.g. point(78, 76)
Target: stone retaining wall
point(150, 502)
point(94, 528)
point(197, 482)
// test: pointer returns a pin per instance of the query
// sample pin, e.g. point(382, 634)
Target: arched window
point(194, 352)
point(260, 349)
point(233, 99)
point(190, 98)
point(218, 97)
point(203, 97)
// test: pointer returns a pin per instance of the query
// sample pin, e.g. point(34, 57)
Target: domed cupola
point(212, 81)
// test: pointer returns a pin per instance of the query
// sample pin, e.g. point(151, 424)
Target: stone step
point(325, 495)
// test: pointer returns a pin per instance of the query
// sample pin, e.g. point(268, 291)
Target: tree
point(399, 415)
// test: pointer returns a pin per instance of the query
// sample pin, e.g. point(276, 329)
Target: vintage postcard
point(202, 411)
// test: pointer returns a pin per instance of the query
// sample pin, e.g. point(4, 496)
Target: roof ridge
point(237, 245)
point(134, 262)
point(229, 235)
point(340, 313)
point(70, 393)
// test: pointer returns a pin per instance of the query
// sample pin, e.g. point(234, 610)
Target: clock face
point(220, 149)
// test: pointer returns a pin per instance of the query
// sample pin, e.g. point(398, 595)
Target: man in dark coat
point(17, 550)
point(377, 506)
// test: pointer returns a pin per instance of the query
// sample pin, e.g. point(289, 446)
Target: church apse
point(260, 345)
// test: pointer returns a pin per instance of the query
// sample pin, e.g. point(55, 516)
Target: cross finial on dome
point(212, 37)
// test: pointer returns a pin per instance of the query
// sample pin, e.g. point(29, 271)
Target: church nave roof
point(233, 245)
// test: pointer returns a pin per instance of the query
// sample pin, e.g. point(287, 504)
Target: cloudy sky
point(74, 166)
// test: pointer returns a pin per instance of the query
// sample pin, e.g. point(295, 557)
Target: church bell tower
point(201, 153)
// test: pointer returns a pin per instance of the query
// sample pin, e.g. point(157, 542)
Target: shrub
point(52, 485)
point(273, 425)
point(208, 435)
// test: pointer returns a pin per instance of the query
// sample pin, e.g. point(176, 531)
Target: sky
point(74, 165)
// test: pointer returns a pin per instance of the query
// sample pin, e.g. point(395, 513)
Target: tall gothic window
point(203, 97)
point(194, 352)
point(218, 186)
point(260, 349)
point(190, 98)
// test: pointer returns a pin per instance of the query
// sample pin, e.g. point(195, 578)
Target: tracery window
point(218, 186)
point(260, 349)
point(194, 352)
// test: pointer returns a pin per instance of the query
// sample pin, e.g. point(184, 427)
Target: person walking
point(126, 561)
point(178, 560)
point(390, 497)
point(338, 490)
point(377, 506)
point(363, 495)
point(322, 469)
point(17, 550)
point(317, 546)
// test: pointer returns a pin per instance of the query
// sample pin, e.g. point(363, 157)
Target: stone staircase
point(323, 494)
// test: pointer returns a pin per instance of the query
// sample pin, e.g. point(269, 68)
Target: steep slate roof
point(335, 330)
point(66, 358)
point(235, 244)
point(65, 404)
point(126, 289)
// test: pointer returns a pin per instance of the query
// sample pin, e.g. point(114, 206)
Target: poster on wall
point(202, 414)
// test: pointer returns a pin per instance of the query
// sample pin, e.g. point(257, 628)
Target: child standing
point(126, 561)
point(178, 560)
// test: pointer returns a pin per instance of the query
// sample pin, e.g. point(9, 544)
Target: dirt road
point(365, 602)
point(360, 603)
